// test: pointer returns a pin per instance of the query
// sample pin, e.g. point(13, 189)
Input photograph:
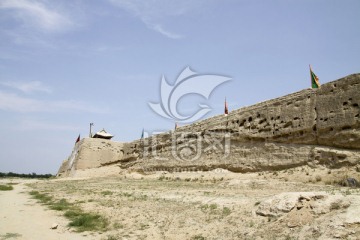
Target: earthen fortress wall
point(312, 126)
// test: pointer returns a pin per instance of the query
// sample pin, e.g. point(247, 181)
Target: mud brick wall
point(312, 126)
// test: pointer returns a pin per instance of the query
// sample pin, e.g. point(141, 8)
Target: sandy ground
point(21, 217)
point(188, 205)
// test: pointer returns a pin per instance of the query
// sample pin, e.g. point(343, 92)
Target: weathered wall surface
point(91, 153)
point(313, 126)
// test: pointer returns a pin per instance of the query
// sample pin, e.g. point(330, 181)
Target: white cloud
point(28, 87)
point(160, 29)
point(13, 102)
point(35, 13)
point(154, 12)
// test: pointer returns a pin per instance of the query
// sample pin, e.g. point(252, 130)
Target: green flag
point(314, 79)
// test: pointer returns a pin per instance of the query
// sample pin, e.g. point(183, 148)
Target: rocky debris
point(329, 203)
point(314, 215)
point(300, 208)
point(277, 205)
point(54, 226)
point(301, 214)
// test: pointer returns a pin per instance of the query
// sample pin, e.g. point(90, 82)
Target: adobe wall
point(91, 153)
point(313, 126)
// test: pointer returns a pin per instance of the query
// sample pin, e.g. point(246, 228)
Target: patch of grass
point(104, 193)
point(204, 207)
point(86, 221)
point(12, 183)
point(73, 213)
point(113, 237)
point(126, 194)
point(143, 197)
point(226, 211)
point(118, 225)
point(213, 206)
point(82, 221)
point(143, 226)
point(6, 187)
point(61, 205)
point(10, 235)
point(198, 237)
point(43, 198)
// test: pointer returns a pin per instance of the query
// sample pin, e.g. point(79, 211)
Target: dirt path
point(23, 218)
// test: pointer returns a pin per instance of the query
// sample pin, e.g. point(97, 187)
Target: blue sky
point(64, 64)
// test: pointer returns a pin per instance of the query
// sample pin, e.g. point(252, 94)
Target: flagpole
point(310, 77)
point(226, 112)
point(90, 134)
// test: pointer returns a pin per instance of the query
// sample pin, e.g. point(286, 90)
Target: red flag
point(226, 111)
point(78, 139)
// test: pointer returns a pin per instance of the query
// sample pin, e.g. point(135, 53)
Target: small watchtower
point(103, 134)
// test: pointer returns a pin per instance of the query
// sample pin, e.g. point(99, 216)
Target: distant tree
point(23, 175)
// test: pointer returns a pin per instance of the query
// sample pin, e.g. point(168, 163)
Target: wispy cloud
point(36, 14)
point(28, 87)
point(160, 29)
point(153, 13)
point(15, 103)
